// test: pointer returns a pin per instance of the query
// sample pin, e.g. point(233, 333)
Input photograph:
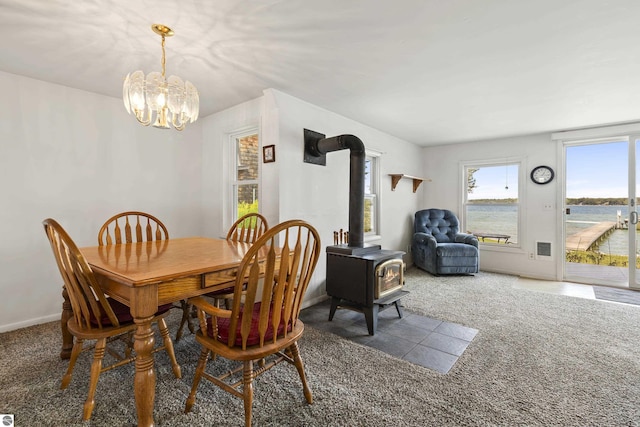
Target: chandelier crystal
point(171, 100)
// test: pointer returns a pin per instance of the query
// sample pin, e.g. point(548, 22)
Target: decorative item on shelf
point(268, 154)
point(341, 237)
point(171, 100)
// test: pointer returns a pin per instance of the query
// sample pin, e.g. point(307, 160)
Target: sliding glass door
point(600, 214)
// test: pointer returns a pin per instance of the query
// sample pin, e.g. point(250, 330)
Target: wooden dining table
point(148, 274)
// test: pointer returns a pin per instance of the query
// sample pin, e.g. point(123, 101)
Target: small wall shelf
point(396, 177)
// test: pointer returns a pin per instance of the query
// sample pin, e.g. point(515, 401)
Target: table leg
point(145, 378)
point(67, 338)
point(144, 304)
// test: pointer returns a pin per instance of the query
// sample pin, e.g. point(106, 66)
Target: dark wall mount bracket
point(311, 154)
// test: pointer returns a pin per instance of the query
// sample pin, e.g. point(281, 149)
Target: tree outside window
point(245, 186)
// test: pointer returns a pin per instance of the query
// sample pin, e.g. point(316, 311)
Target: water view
point(502, 219)
point(498, 219)
point(585, 216)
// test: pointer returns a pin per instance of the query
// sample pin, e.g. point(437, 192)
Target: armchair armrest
point(424, 239)
point(468, 239)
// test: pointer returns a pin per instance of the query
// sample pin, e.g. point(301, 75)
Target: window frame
point(464, 166)
point(235, 166)
point(374, 157)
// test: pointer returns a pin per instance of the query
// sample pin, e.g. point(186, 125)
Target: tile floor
point(424, 341)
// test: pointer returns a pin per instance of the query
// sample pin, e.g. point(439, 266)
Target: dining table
point(145, 275)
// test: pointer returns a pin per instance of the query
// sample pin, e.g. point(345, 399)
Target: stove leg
point(398, 309)
point(371, 316)
point(334, 305)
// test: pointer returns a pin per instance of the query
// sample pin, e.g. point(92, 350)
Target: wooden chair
point(96, 317)
point(263, 323)
point(118, 229)
point(246, 229)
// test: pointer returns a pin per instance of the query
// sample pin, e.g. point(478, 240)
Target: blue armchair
point(439, 248)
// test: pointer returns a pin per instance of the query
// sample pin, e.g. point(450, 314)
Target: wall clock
point(542, 174)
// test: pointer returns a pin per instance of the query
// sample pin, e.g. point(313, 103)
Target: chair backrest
point(286, 275)
point(89, 304)
point(248, 228)
point(440, 223)
point(118, 229)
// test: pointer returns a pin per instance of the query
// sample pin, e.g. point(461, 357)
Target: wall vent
point(543, 249)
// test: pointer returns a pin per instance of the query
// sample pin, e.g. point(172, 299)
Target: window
point(371, 202)
point(245, 182)
point(491, 202)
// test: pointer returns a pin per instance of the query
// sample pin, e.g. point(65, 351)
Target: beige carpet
point(538, 359)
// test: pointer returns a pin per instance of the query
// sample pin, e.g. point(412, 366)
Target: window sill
point(372, 238)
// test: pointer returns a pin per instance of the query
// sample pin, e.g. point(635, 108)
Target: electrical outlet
point(532, 255)
point(548, 206)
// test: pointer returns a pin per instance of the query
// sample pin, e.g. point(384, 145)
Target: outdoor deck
point(590, 237)
point(597, 273)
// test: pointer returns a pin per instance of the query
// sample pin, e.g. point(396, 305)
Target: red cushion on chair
point(122, 313)
point(254, 334)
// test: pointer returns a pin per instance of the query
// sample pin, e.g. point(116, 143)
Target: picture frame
point(268, 154)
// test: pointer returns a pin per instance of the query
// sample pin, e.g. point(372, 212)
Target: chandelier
point(169, 100)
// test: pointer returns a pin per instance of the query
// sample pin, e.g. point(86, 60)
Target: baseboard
point(519, 274)
point(313, 301)
point(30, 322)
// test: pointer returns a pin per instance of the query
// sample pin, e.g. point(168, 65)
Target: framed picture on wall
point(269, 153)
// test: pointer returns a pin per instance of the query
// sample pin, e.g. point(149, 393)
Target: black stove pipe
point(356, 180)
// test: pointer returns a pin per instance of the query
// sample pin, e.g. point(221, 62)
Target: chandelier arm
point(178, 124)
point(140, 116)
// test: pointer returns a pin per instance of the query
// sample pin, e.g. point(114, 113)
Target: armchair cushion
point(439, 248)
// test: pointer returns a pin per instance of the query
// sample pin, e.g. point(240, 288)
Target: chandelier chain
point(163, 57)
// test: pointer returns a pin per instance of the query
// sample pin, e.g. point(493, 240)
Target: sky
point(596, 170)
point(495, 182)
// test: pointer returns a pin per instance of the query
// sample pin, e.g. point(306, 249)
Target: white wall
point(320, 194)
point(216, 161)
point(291, 188)
point(443, 165)
point(79, 158)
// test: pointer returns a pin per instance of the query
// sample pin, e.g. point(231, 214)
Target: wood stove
point(369, 283)
point(361, 277)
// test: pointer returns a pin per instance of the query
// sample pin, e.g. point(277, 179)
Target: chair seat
point(254, 335)
point(123, 313)
point(456, 249)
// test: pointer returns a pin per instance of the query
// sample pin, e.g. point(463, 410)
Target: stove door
point(389, 277)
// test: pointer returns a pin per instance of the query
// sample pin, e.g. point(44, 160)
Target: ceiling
point(427, 71)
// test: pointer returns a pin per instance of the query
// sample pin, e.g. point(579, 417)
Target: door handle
point(633, 217)
point(568, 211)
